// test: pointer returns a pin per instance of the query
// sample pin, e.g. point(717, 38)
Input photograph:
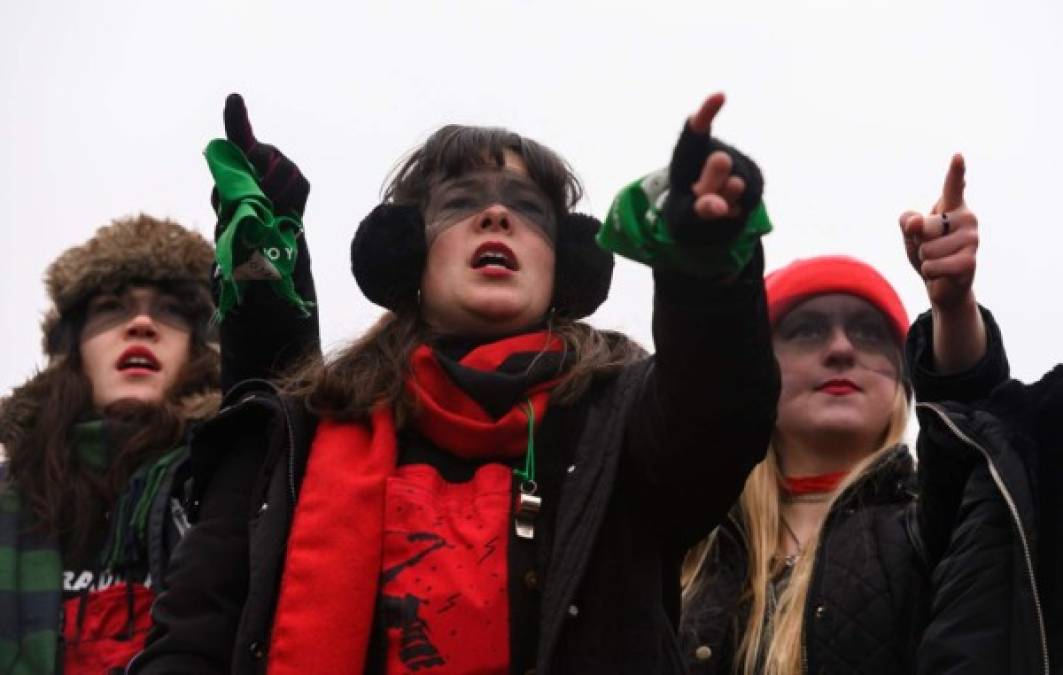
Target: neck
point(805, 520)
point(458, 345)
point(799, 457)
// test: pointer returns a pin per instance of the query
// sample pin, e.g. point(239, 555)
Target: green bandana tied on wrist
point(635, 228)
point(254, 243)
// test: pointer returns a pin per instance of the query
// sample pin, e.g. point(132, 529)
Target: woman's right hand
point(942, 246)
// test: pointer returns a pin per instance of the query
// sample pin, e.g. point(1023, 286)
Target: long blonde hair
point(759, 513)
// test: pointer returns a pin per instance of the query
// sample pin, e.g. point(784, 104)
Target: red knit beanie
point(803, 278)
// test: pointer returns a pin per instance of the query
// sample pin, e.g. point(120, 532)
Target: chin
point(146, 395)
point(505, 310)
point(849, 426)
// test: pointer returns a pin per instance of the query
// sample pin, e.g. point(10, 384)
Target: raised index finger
point(237, 124)
point(952, 192)
point(701, 121)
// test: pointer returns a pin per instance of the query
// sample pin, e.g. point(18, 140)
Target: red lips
point(136, 359)
point(493, 258)
point(839, 387)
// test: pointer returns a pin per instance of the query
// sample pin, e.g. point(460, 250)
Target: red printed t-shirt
point(444, 601)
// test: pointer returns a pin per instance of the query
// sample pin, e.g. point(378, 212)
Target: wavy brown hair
point(65, 497)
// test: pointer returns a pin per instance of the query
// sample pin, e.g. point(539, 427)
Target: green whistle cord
point(255, 244)
point(528, 474)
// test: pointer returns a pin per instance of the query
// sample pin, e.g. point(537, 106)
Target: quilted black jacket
point(868, 595)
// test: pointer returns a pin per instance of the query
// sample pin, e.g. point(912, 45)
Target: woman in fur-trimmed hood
point(95, 443)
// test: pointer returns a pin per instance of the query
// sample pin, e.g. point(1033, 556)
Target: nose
point(495, 217)
point(840, 351)
point(142, 326)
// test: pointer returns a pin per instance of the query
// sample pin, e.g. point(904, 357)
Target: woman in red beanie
point(829, 562)
point(814, 571)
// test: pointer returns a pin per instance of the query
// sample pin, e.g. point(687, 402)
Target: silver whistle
point(528, 506)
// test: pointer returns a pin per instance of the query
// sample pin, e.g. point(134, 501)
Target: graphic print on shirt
point(444, 600)
point(415, 650)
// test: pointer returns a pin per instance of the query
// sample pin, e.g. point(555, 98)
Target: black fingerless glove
point(688, 159)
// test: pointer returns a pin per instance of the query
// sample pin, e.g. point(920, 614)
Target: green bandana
point(636, 229)
point(254, 244)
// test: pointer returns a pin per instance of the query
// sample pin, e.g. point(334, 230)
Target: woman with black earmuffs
point(482, 482)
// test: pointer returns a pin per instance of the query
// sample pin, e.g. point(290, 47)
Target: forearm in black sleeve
point(265, 335)
point(973, 384)
point(707, 409)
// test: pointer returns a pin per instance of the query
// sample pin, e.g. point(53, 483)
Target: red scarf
point(805, 485)
point(332, 569)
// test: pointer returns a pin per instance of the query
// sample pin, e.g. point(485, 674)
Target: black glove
point(278, 176)
point(688, 159)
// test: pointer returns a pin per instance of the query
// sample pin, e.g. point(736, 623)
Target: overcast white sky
point(852, 110)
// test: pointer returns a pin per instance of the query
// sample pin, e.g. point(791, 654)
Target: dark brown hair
point(456, 149)
point(66, 497)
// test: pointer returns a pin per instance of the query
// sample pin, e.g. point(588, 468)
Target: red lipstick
point(839, 387)
point(138, 360)
point(494, 259)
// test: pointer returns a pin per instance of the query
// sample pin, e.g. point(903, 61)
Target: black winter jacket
point(867, 597)
point(916, 573)
point(997, 590)
point(657, 454)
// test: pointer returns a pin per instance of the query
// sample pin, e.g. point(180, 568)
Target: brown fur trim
point(140, 248)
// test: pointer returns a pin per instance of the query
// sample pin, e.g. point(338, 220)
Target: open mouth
point(494, 254)
point(138, 358)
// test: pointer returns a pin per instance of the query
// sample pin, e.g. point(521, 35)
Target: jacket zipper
point(1016, 520)
point(287, 427)
point(291, 453)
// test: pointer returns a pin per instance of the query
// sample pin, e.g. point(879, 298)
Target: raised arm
point(706, 409)
point(264, 287)
point(954, 351)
